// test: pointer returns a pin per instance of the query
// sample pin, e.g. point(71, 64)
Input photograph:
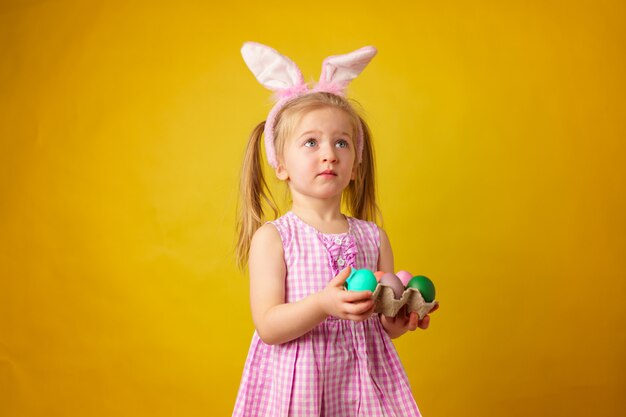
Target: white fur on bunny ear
point(339, 70)
point(275, 71)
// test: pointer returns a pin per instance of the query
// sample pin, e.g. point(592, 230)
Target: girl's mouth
point(328, 172)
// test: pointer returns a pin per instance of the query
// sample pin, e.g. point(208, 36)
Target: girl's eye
point(310, 143)
point(342, 143)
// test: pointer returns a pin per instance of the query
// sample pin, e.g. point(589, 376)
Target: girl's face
point(318, 159)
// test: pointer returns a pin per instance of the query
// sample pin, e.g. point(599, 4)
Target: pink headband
point(281, 75)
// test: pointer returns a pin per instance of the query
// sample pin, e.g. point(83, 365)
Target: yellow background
point(499, 129)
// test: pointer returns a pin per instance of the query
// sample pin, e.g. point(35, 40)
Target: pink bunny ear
point(281, 75)
point(275, 71)
point(339, 70)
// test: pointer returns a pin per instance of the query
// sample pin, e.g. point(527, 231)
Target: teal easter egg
point(361, 280)
point(424, 285)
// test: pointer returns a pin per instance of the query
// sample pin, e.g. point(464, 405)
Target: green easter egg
point(361, 280)
point(424, 285)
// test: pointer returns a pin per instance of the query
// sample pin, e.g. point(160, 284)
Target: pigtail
point(253, 193)
point(361, 193)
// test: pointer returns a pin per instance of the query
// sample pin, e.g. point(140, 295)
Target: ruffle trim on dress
point(342, 250)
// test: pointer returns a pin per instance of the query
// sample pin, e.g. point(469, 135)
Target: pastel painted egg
point(424, 285)
point(361, 280)
point(404, 276)
point(391, 280)
point(378, 275)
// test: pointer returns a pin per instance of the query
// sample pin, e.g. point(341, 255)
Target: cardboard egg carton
point(388, 305)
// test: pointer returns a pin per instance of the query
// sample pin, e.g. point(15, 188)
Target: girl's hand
point(349, 305)
point(401, 323)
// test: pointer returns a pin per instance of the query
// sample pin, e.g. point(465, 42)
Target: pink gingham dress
point(340, 368)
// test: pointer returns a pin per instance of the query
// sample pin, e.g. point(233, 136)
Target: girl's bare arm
point(278, 322)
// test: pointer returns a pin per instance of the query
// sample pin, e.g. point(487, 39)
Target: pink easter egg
point(405, 277)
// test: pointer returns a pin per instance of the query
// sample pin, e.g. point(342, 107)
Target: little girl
point(318, 350)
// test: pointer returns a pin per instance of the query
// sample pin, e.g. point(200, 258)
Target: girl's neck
point(326, 219)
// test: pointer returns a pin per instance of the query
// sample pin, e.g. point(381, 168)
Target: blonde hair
point(359, 197)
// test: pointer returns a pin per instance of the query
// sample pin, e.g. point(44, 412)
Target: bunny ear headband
point(281, 75)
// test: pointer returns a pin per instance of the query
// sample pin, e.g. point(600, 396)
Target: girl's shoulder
point(365, 230)
point(360, 222)
point(286, 227)
point(363, 224)
point(266, 234)
point(284, 220)
point(265, 244)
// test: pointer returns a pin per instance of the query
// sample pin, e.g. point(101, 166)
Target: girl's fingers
point(341, 278)
point(360, 308)
point(360, 317)
point(359, 311)
point(354, 296)
point(412, 322)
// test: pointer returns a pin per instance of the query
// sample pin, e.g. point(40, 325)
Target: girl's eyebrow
point(308, 132)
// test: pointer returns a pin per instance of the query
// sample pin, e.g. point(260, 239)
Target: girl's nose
point(329, 155)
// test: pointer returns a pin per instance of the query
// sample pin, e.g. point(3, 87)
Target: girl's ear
point(281, 172)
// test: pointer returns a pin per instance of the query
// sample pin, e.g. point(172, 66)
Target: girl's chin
point(321, 195)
